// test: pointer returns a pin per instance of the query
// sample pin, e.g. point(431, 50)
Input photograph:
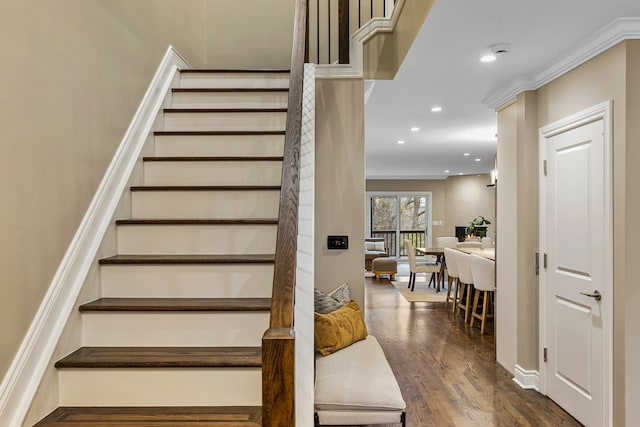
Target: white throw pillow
point(325, 303)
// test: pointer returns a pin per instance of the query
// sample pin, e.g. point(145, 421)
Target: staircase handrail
point(278, 342)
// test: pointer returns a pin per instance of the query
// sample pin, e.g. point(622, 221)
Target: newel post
point(278, 368)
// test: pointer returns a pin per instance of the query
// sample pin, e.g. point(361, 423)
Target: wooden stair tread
point(212, 158)
point(206, 188)
point(188, 259)
point(225, 110)
point(248, 221)
point(178, 304)
point(233, 70)
point(162, 357)
point(216, 132)
point(222, 89)
point(165, 416)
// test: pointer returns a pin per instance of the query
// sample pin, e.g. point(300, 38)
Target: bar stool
point(484, 281)
point(466, 284)
point(452, 271)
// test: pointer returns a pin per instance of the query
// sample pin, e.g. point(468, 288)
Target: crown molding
point(617, 31)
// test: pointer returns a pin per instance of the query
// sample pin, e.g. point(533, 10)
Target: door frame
point(398, 194)
point(589, 115)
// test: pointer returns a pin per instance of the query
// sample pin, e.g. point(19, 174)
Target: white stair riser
point(237, 80)
point(160, 387)
point(213, 173)
point(219, 145)
point(229, 99)
point(187, 281)
point(205, 204)
point(197, 121)
point(196, 239)
point(198, 329)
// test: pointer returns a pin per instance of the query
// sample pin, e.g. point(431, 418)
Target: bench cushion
point(355, 378)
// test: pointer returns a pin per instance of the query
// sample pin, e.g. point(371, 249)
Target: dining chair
point(446, 242)
point(415, 268)
point(484, 281)
point(466, 284)
point(452, 271)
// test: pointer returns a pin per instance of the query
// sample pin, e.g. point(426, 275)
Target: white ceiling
point(443, 68)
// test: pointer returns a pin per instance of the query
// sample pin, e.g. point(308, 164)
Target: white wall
point(304, 327)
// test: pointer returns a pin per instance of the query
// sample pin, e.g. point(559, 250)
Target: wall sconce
point(493, 177)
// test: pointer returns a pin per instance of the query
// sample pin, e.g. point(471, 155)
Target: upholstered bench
point(356, 386)
point(385, 266)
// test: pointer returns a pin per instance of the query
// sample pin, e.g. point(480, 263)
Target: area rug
point(421, 293)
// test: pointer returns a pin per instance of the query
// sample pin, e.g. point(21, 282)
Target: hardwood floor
point(447, 371)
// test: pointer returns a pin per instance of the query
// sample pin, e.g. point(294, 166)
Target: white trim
point(542, 277)
point(355, 67)
point(617, 31)
point(528, 380)
point(597, 112)
point(25, 373)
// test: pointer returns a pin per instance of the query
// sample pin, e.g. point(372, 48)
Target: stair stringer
point(29, 390)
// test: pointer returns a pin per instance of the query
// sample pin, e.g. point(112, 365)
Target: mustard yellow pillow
point(339, 329)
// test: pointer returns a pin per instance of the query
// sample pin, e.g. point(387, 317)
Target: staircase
point(176, 337)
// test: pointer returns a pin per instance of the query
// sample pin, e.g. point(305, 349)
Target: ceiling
point(443, 68)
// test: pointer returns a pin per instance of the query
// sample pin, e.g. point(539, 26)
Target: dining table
point(488, 253)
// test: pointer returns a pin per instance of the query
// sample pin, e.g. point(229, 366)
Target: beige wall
point(613, 75)
point(466, 198)
point(627, 169)
point(249, 33)
point(527, 231)
point(340, 183)
point(73, 74)
point(383, 54)
point(455, 200)
point(517, 235)
point(506, 241)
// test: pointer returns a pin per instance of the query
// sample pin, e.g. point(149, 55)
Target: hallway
point(447, 371)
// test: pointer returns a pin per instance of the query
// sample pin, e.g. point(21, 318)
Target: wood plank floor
point(447, 371)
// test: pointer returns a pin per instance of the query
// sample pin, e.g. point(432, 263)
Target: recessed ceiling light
point(460, 173)
point(478, 160)
point(400, 142)
point(466, 154)
point(495, 50)
point(436, 109)
point(415, 129)
point(447, 171)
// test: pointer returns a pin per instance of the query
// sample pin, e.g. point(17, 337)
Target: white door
point(577, 277)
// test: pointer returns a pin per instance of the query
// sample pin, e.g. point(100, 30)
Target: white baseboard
point(528, 380)
point(25, 373)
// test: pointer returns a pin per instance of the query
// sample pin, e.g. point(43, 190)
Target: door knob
point(596, 295)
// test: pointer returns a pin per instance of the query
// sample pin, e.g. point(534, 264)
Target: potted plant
point(477, 222)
